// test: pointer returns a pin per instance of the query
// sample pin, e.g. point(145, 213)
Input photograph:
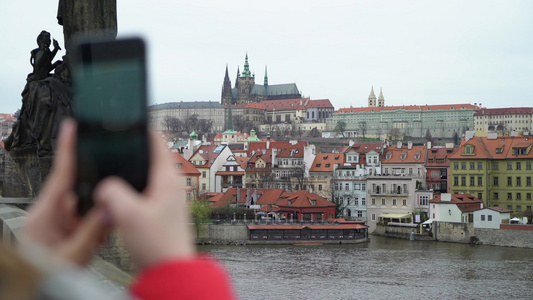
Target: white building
point(490, 217)
point(457, 208)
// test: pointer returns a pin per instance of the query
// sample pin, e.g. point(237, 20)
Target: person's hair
point(18, 280)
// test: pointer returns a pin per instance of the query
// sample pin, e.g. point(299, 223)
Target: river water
point(383, 268)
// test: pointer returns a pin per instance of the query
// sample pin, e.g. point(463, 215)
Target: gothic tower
point(245, 82)
point(372, 98)
point(381, 100)
point(226, 89)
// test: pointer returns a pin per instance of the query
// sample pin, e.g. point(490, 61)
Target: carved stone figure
point(87, 18)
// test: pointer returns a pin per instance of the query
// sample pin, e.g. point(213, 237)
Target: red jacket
point(199, 278)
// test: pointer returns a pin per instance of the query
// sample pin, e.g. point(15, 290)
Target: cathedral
point(246, 90)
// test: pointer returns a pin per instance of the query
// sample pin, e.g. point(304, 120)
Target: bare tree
point(394, 134)
point(340, 127)
point(362, 127)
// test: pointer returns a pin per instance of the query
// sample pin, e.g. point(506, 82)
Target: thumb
point(119, 198)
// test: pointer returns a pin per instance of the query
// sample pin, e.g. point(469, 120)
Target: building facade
point(503, 121)
point(207, 110)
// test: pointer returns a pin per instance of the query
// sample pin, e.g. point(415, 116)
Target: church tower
point(381, 100)
point(372, 98)
point(226, 89)
point(244, 84)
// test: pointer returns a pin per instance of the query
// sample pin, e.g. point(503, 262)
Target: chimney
point(238, 195)
point(248, 197)
point(274, 153)
point(399, 145)
point(429, 145)
point(446, 197)
point(268, 141)
point(409, 145)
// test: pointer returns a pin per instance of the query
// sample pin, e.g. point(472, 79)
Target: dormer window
point(313, 202)
point(499, 150)
point(519, 151)
point(469, 150)
point(403, 156)
point(389, 155)
point(179, 165)
point(327, 165)
point(417, 156)
point(290, 202)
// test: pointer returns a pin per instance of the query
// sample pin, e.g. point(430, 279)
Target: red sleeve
point(198, 278)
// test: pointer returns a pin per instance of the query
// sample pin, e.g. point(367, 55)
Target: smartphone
point(109, 104)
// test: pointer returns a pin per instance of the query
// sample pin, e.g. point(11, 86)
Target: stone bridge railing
point(11, 221)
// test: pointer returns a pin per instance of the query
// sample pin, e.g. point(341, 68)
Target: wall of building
point(222, 234)
point(453, 232)
point(506, 237)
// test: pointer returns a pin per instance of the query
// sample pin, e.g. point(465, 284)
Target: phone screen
point(110, 107)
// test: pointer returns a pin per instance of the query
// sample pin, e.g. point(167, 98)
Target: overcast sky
point(419, 52)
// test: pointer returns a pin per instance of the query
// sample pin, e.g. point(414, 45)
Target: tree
point(362, 126)
point(314, 133)
point(340, 127)
point(395, 134)
point(200, 210)
point(428, 136)
point(204, 125)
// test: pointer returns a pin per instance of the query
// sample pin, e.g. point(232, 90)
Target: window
point(456, 165)
point(346, 186)
point(204, 186)
point(509, 166)
point(410, 171)
point(319, 187)
point(472, 180)
point(472, 165)
point(373, 201)
point(482, 217)
point(518, 181)
point(463, 165)
point(363, 187)
point(528, 180)
point(480, 196)
point(313, 202)
point(373, 217)
point(528, 165)
point(509, 180)
point(495, 196)
point(496, 180)
point(480, 166)
point(189, 181)
point(463, 180)
point(518, 165)
point(382, 201)
point(188, 196)
point(519, 208)
point(359, 214)
point(495, 166)
point(509, 207)
point(204, 174)
point(404, 202)
point(528, 208)
point(394, 202)
point(489, 218)
point(455, 180)
point(423, 200)
point(363, 201)
point(518, 196)
point(479, 180)
point(509, 196)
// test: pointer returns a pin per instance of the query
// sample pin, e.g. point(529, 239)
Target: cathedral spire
point(381, 100)
point(266, 77)
point(226, 89)
point(246, 72)
point(372, 98)
point(238, 72)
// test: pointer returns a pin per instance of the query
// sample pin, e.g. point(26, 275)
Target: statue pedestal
point(33, 169)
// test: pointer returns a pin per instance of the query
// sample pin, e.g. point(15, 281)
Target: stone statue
point(81, 19)
point(46, 98)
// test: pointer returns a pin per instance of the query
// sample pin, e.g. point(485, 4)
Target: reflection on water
point(383, 268)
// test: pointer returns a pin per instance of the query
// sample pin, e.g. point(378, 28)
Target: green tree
point(200, 210)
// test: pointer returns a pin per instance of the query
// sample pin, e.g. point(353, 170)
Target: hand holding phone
point(109, 80)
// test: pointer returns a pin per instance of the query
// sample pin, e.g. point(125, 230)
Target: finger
point(162, 168)
point(84, 241)
point(61, 179)
point(121, 200)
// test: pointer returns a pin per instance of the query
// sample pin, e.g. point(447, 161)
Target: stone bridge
point(12, 218)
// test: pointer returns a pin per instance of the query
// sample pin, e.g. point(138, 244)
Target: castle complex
point(246, 90)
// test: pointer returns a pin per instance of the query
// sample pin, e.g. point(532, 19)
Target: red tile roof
point(186, 167)
point(322, 103)
point(407, 107)
point(504, 111)
point(339, 226)
point(207, 153)
point(303, 199)
point(465, 202)
point(285, 104)
point(499, 148)
point(255, 105)
point(439, 157)
point(403, 155)
point(325, 162)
